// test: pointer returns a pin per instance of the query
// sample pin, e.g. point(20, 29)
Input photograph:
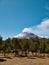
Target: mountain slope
point(25, 35)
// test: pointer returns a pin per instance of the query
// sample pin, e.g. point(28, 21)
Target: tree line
point(24, 46)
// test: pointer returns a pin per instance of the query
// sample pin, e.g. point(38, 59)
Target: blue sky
point(15, 15)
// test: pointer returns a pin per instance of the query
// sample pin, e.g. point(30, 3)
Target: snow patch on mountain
point(26, 33)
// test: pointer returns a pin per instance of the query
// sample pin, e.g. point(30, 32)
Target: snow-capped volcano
point(25, 34)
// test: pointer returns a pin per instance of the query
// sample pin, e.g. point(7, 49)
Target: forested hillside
point(15, 45)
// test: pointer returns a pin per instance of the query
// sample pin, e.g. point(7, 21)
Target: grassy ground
point(23, 61)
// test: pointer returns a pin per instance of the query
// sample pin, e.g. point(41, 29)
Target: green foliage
point(43, 45)
point(40, 45)
point(1, 44)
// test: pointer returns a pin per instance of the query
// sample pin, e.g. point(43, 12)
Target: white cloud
point(27, 30)
point(44, 24)
point(42, 29)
